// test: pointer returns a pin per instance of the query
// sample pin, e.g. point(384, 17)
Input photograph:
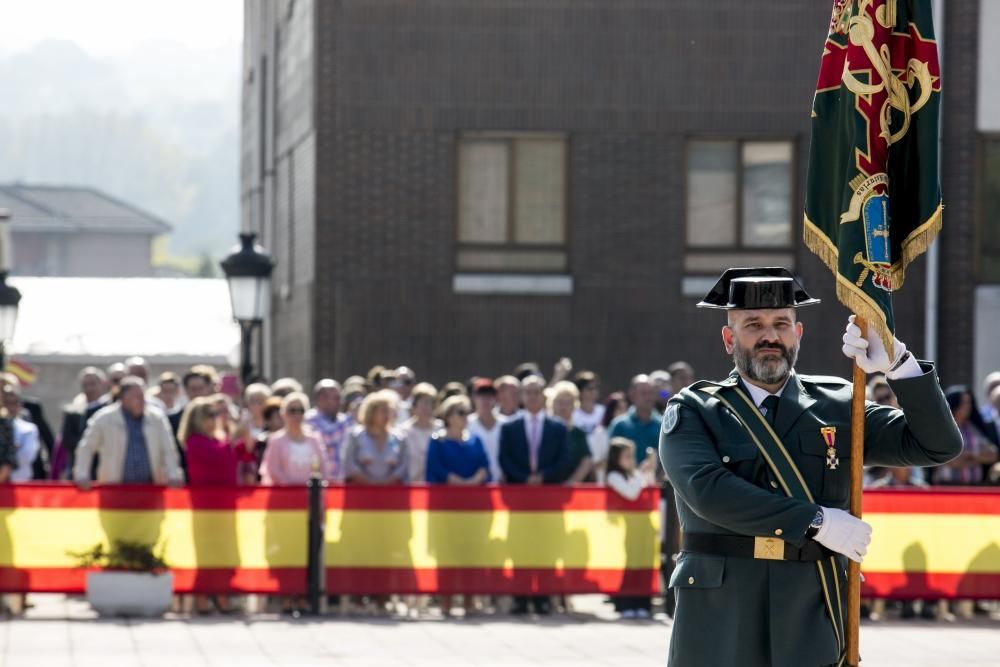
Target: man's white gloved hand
point(869, 352)
point(844, 533)
point(871, 355)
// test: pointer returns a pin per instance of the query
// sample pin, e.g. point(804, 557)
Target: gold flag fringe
point(853, 297)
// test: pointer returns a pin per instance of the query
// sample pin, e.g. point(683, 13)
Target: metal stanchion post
point(317, 522)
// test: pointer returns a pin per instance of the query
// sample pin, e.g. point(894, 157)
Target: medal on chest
point(829, 434)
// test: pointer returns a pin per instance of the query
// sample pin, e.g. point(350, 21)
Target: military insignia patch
point(671, 418)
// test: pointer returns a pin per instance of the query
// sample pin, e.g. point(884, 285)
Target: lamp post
point(248, 271)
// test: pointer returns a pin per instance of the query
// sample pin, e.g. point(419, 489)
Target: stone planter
point(117, 593)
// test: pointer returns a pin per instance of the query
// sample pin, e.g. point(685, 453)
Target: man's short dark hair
point(527, 369)
point(130, 382)
point(584, 379)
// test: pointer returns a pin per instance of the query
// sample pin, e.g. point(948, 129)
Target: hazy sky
point(104, 27)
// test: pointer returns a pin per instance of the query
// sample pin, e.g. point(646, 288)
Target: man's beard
point(766, 369)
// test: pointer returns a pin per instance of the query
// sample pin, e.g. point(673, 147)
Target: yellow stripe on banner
point(423, 539)
point(934, 543)
point(31, 537)
point(205, 538)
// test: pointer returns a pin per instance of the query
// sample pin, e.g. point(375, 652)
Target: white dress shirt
point(758, 395)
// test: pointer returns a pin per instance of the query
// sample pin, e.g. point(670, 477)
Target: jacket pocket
point(733, 453)
point(698, 571)
point(835, 484)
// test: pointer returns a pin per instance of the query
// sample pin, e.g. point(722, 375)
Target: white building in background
point(65, 324)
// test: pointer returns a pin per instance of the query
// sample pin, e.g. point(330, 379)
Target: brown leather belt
point(761, 548)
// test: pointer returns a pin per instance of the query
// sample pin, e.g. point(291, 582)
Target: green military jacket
point(766, 613)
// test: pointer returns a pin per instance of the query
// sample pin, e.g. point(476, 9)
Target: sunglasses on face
point(884, 398)
point(461, 413)
point(296, 411)
point(212, 414)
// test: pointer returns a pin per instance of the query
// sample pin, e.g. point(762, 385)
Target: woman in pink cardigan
point(294, 452)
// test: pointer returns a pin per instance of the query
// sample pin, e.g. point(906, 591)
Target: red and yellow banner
point(491, 540)
point(933, 544)
point(378, 539)
point(930, 544)
point(215, 540)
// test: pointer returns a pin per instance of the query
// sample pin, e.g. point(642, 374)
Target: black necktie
point(770, 405)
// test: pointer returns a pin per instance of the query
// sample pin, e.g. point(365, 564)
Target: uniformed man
point(760, 464)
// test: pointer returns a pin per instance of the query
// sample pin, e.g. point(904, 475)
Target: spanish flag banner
point(215, 540)
point(933, 544)
point(491, 540)
point(873, 199)
point(378, 540)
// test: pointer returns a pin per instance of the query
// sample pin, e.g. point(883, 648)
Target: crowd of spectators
point(201, 428)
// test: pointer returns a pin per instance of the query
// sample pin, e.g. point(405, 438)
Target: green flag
point(873, 195)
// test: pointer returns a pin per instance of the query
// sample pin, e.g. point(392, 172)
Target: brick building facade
point(462, 185)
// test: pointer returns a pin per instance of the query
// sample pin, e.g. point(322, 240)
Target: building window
point(989, 247)
point(512, 203)
point(739, 206)
point(739, 194)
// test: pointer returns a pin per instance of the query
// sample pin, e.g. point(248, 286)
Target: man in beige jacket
point(133, 440)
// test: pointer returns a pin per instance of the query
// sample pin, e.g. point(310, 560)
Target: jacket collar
point(793, 402)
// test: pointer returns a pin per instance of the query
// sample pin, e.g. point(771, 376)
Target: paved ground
point(59, 632)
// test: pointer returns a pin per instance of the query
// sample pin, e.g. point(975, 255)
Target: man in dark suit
point(92, 398)
point(534, 450)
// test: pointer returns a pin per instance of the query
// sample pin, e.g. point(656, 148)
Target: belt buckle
point(768, 548)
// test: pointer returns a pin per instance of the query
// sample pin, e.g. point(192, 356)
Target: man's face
point(484, 402)
point(91, 386)
point(680, 379)
point(534, 396)
point(133, 401)
point(168, 393)
point(328, 401)
point(11, 402)
point(643, 395)
point(509, 396)
point(764, 343)
point(423, 407)
point(196, 387)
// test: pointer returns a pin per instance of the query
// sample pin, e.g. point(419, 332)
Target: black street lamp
point(10, 297)
point(248, 270)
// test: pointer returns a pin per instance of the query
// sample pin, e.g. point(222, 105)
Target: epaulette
point(825, 379)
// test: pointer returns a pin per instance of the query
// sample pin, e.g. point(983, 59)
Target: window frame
point(794, 191)
point(510, 245)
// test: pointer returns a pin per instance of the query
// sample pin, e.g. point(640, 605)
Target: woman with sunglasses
point(210, 455)
point(294, 452)
point(212, 462)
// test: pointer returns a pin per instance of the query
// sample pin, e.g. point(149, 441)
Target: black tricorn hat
point(755, 289)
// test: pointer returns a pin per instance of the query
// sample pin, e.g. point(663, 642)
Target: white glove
point(871, 355)
point(844, 533)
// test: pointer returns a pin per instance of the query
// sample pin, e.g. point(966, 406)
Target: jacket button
point(778, 531)
point(691, 580)
point(725, 459)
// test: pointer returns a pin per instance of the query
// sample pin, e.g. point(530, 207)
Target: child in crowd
point(628, 480)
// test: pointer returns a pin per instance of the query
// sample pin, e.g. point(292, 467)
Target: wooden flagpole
point(857, 460)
